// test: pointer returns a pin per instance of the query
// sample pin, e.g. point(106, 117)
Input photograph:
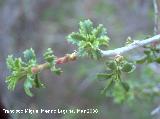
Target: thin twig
point(61, 60)
point(155, 17)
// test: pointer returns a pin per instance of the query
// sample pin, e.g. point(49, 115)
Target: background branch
point(155, 17)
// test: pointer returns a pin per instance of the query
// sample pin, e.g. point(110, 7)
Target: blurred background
point(46, 23)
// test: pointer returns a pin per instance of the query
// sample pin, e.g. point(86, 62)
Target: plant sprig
point(89, 39)
point(22, 70)
point(112, 75)
point(51, 59)
point(151, 54)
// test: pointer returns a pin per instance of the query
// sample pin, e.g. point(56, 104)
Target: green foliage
point(122, 90)
point(51, 59)
point(115, 86)
point(30, 56)
point(89, 39)
point(23, 70)
point(15, 65)
point(152, 54)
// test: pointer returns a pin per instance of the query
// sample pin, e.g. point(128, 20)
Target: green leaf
point(95, 55)
point(49, 56)
point(99, 31)
point(17, 71)
point(112, 65)
point(11, 82)
point(28, 85)
point(104, 75)
point(142, 60)
point(86, 27)
point(125, 86)
point(15, 66)
point(10, 62)
point(98, 54)
point(109, 86)
point(57, 71)
point(18, 64)
point(103, 40)
point(150, 59)
point(157, 50)
point(87, 45)
point(119, 94)
point(37, 82)
point(147, 52)
point(76, 37)
point(29, 54)
point(128, 67)
point(158, 60)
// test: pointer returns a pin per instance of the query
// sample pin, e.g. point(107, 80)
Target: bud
point(119, 58)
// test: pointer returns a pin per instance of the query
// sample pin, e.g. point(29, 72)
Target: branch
point(88, 41)
point(65, 59)
point(155, 17)
point(134, 45)
point(109, 53)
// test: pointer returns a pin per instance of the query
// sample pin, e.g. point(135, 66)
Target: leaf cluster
point(115, 86)
point(89, 39)
point(152, 54)
point(51, 59)
point(23, 70)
